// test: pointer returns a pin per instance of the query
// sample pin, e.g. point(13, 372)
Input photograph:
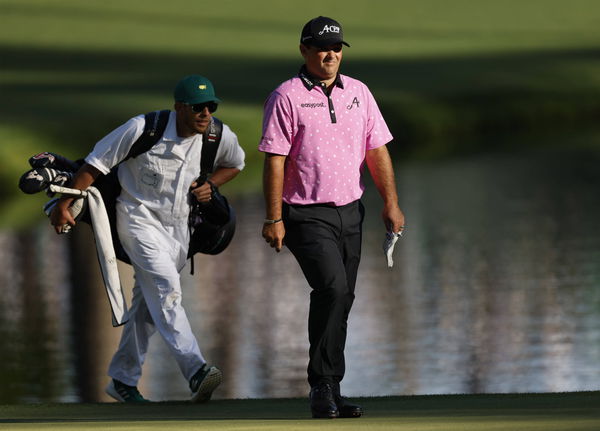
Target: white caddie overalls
point(152, 213)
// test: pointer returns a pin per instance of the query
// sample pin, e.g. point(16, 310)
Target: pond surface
point(495, 288)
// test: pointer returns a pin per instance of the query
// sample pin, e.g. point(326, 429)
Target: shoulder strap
point(210, 143)
point(156, 123)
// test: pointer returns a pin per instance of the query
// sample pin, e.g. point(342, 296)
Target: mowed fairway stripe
point(524, 412)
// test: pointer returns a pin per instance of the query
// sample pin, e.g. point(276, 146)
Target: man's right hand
point(61, 216)
point(273, 234)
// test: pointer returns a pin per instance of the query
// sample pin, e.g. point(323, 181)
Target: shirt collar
point(170, 133)
point(311, 82)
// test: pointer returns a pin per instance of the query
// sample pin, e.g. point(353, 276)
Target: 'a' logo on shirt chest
point(355, 103)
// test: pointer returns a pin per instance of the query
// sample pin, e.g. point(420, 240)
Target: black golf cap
point(322, 31)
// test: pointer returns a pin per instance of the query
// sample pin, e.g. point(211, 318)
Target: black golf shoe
point(322, 403)
point(347, 409)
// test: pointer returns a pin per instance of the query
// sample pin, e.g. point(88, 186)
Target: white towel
point(388, 246)
point(107, 257)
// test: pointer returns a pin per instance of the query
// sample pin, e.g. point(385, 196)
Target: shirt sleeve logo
point(354, 102)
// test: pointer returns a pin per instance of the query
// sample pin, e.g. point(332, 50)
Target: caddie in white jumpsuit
point(152, 222)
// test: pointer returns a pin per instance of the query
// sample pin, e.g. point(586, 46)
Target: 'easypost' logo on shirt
point(329, 29)
point(312, 105)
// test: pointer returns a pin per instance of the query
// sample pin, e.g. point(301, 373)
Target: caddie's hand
point(202, 193)
point(393, 218)
point(60, 215)
point(273, 233)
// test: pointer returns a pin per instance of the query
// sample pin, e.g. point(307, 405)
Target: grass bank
point(523, 412)
point(443, 72)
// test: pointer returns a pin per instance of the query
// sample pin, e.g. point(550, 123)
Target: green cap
point(195, 89)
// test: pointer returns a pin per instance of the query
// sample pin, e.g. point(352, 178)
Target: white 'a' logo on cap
point(330, 29)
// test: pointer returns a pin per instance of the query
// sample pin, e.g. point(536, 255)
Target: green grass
point(442, 71)
point(523, 412)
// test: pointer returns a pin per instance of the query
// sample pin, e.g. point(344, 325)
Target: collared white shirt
point(160, 178)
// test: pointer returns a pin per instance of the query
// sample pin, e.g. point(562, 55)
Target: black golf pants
point(326, 242)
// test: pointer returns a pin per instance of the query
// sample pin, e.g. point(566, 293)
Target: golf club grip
point(67, 191)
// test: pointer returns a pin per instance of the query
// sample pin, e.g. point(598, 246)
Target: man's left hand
point(393, 218)
point(202, 193)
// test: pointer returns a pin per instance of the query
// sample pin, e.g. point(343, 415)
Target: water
point(495, 288)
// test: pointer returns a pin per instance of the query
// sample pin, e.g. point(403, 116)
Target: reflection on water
point(34, 319)
point(495, 289)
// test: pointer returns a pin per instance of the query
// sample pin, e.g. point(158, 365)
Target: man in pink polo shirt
point(318, 130)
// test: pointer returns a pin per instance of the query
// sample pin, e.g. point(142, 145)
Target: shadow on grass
point(69, 99)
point(73, 93)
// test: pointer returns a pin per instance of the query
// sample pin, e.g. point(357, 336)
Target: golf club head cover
point(38, 179)
point(53, 160)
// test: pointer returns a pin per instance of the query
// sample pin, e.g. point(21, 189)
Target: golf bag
point(211, 224)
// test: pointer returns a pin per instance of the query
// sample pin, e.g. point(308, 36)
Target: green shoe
point(204, 382)
point(124, 393)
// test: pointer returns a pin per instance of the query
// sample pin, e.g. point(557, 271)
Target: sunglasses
point(199, 107)
point(336, 48)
